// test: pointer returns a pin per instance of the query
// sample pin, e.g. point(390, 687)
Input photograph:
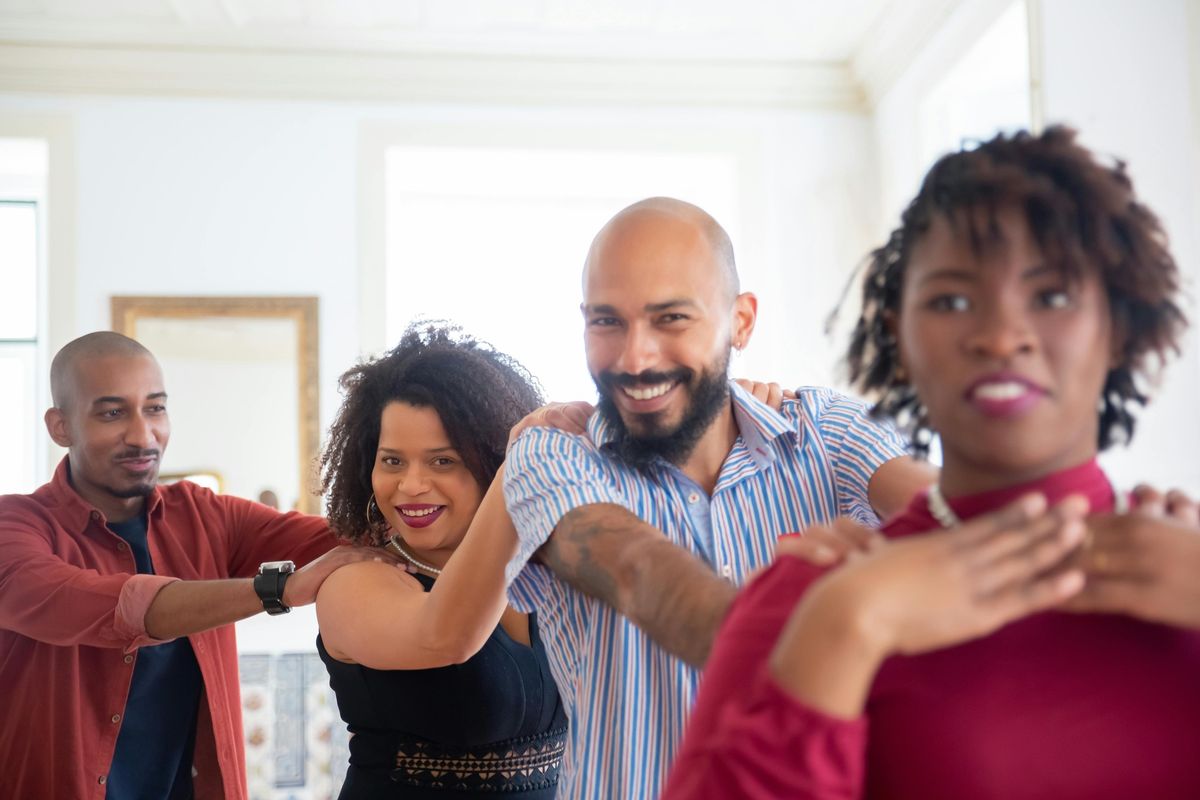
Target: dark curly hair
point(1083, 215)
point(478, 392)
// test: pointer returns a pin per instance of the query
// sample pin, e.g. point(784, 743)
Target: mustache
point(138, 453)
point(611, 380)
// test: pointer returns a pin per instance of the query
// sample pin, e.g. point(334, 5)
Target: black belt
point(514, 765)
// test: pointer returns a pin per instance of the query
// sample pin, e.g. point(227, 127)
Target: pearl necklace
point(941, 511)
point(394, 541)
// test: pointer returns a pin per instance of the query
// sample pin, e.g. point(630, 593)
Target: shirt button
point(727, 571)
point(121, 546)
point(693, 498)
point(96, 515)
point(116, 718)
point(102, 780)
point(129, 659)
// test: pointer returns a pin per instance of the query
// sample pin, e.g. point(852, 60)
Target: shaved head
point(667, 210)
point(91, 346)
point(662, 309)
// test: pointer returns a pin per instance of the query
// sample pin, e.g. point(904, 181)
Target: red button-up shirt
point(72, 616)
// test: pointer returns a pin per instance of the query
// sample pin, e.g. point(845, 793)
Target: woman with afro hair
point(1017, 631)
point(446, 690)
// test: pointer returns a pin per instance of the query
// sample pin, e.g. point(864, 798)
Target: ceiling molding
point(904, 30)
point(894, 41)
point(424, 78)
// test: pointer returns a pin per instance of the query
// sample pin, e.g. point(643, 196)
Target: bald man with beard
point(635, 534)
point(118, 662)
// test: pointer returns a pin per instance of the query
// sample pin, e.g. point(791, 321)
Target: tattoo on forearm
point(569, 553)
point(609, 554)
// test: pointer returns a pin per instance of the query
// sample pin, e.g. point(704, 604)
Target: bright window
point(19, 305)
point(494, 239)
point(986, 91)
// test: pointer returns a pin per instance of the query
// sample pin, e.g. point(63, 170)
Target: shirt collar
point(76, 513)
point(759, 425)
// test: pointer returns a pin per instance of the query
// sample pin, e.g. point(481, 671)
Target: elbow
point(459, 656)
point(449, 648)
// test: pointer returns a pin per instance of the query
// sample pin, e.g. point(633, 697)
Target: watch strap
point(268, 585)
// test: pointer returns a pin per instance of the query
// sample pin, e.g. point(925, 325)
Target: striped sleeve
point(858, 445)
point(548, 473)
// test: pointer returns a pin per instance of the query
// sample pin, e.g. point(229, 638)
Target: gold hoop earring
point(371, 524)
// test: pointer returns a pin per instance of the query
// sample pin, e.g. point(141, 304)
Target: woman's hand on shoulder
point(1145, 564)
point(1175, 504)
point(825, 545)
point(925, 592)
point(571, 417)
point(768, 393)
point(941, 588)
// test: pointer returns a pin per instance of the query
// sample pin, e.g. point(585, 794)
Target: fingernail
point(823, 555)
point(1073, 532)
point(1075, 504)
point(1032, 504)
point(790, 536)
point(1070, 583)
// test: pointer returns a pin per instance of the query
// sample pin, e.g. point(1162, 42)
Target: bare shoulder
point(362, 582)
point(896, 482)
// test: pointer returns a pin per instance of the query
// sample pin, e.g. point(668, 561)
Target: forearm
point(608, 553)
point(186, 607)
point(823, 660)
point(466, 602)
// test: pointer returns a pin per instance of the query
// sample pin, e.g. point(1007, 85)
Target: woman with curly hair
point(1017, 632)
point(445, 689)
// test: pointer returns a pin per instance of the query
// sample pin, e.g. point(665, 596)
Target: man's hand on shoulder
point(570, 417)
point(301, 589)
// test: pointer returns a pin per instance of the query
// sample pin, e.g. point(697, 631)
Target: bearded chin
point(655, 441)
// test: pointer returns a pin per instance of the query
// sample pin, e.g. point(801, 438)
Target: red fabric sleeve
point(258, 533)
point(49, 600)
point(746, 737)
point(766, 745)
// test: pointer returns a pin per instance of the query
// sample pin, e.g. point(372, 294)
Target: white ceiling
point(832, 47)
point(794, 30)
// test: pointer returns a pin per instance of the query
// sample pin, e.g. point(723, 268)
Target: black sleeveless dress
point(491, 725)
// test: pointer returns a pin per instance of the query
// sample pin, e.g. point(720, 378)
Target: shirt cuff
point(137, 594)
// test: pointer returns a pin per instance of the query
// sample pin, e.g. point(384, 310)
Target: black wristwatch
point(268, 585)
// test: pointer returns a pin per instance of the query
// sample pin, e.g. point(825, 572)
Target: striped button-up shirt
point(627, 698)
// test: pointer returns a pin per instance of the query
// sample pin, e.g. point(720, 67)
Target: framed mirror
point(241, 378)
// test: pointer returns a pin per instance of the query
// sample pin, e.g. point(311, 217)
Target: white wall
point(196, 196)
point(903, 146)
point(1122, 74)
point(179, 196)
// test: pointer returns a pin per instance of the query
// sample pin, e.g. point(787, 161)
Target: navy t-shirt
point(153, 758)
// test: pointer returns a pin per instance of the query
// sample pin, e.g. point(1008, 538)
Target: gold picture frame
point(129, 310)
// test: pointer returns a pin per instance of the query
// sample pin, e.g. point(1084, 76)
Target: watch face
point(277, 566)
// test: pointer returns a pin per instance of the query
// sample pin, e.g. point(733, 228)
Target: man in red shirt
point(118, 662)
